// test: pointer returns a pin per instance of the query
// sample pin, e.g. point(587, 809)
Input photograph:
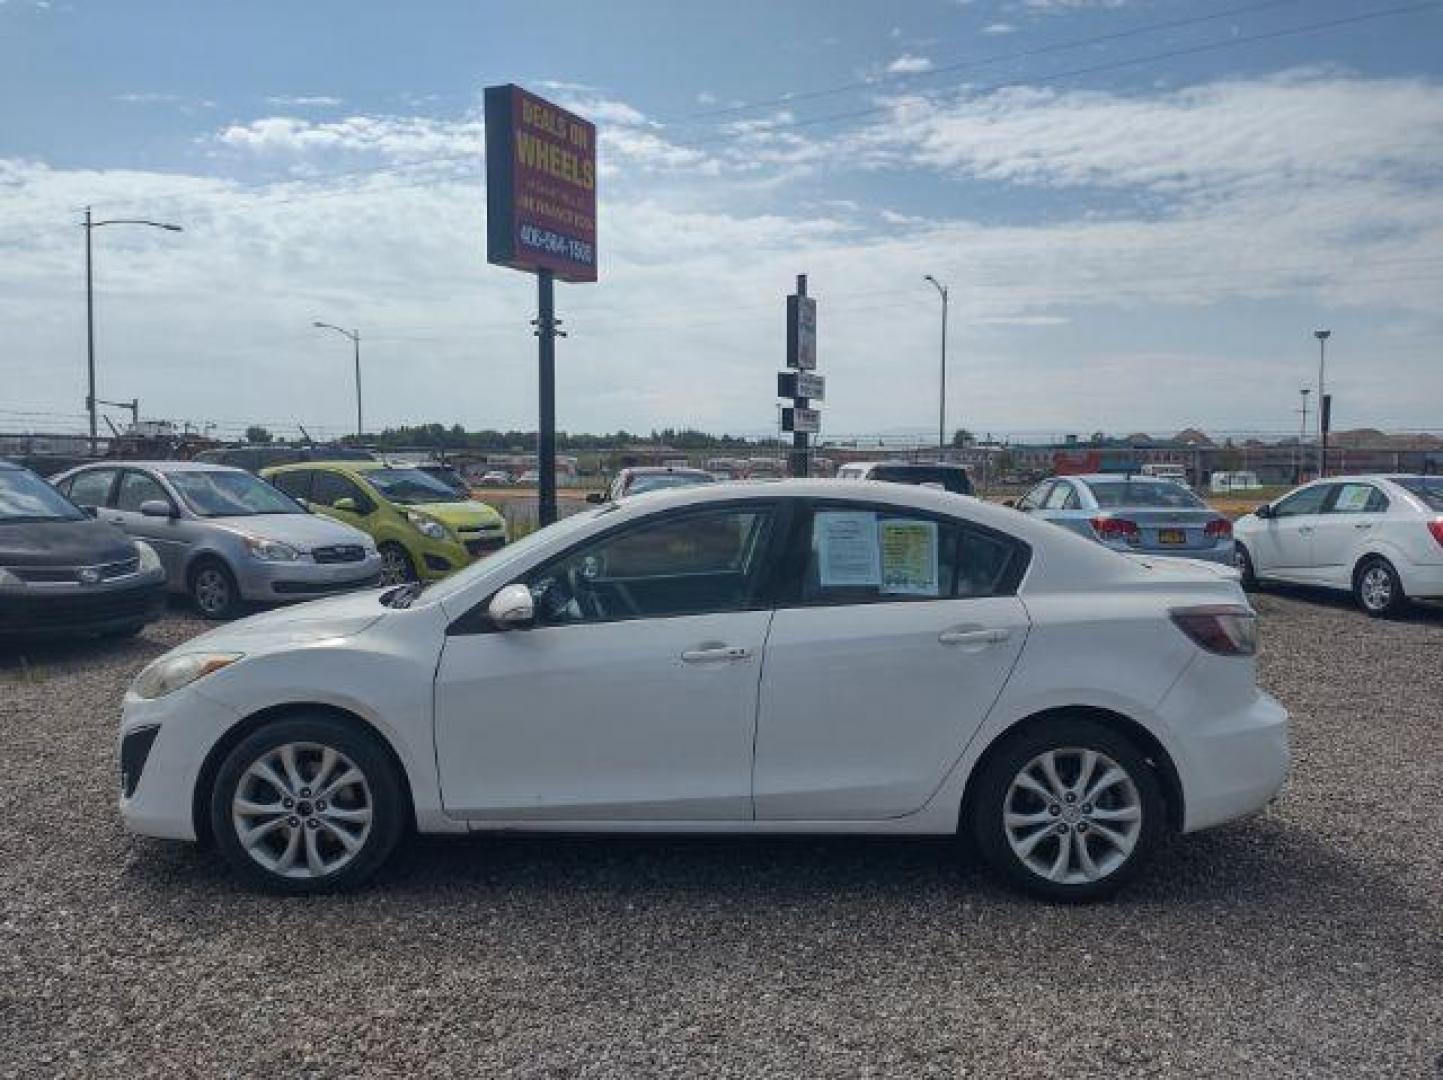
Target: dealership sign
point(801, 332)
point(801, 421)
point(801, 384)
point(540, 186)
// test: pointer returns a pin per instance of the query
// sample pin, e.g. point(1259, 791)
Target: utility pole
point(1302, 436)
point(546, 332)
point(354, 337)
point(942, 392)
point(1322, 336)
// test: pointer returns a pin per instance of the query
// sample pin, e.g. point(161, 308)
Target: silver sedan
point(225, 537)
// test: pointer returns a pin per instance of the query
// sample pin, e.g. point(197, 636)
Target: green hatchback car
point(423, 531)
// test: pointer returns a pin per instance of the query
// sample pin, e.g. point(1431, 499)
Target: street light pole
point(355, 338)
point(90, 226)
point(1322, 336)
point(1302, 433)
point(942, 391)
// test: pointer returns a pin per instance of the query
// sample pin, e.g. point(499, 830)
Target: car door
point(1283, 546)
point(901, 633)
point(634, 696)
point(167, 535)
point(1349, 518)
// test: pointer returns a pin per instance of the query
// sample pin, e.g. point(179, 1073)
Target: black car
point(62, 572)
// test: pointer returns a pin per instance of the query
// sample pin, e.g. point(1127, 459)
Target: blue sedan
point(1137, 514)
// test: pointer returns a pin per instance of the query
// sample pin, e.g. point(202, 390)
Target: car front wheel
point(1244, 562)
point(396, 565)
point(1069, 811)
point(307, 805)
point(214, 590)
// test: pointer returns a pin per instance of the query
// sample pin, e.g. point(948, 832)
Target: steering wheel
point(585, 594)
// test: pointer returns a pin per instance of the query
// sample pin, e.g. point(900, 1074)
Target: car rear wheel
point(214, 590)
point(1378, 589)
point(396, 565)
point(1245, 568)
point(1068, 810)
point(307, 805)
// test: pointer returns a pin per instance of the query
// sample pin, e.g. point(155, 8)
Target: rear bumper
point(1422, 581)
point(1224, 553)
point(1232, 763)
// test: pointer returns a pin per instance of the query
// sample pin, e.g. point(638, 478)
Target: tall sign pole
point(541, 218)
point(800, 382)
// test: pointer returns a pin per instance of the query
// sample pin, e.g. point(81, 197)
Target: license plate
point(1171, 536)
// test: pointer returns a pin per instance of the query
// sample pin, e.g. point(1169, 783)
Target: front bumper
point(278, 582)
point(60, 611)
point(162, 783)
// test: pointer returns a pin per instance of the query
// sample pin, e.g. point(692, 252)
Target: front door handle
point(1304, 530)
point(716, 654)
point(974, 636)
point(1363, 525)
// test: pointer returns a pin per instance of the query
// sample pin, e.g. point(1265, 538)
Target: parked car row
point(96, 548)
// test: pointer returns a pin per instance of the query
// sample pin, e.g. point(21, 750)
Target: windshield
point(1167, 496)
point(409, 487)
point(26, 497)
point(1427, 488)
point(657, 481)
point(231, 494)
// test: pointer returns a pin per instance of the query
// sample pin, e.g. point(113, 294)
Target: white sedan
point(1378, 537)
point(797, 657)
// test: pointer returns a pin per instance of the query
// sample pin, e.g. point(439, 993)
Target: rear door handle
point(1363, 525)
point(716, 654)
point(1304, 530)
point(980, 637)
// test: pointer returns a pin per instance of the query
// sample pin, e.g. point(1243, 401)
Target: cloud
point(704, 97)
point(1053, 6)
point(999, 28)
point(135, 98)
point(909, 65)
point(394, 138)
point(304, 101)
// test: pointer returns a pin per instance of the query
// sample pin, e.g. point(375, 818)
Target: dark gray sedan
point(1137, 514)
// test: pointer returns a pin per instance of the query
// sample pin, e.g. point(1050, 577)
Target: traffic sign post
point(799, 383)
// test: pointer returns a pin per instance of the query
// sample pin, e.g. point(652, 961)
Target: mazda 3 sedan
point(799, 657)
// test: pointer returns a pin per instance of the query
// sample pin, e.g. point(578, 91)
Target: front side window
point(329, 488)
point(1062, 497)
point(861, 556)
point(296, 484)
point(137, 488)
point(1308, 501)
point(91, 488)
point(1035, 498)
point(1358, 499)
point(674, 564)
point(26, 497)
point(223, 493)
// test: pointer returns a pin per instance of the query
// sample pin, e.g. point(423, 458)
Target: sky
point(1142, 209)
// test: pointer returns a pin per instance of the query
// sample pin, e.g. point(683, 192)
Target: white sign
point(847, 550)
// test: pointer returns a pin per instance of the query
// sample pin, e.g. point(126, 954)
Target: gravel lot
point(1306, 942)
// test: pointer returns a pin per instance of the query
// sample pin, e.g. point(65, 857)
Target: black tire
point(1245, 568)
point(213, 590)
point(1377, 588)
point(119, 633)
point(396, 565)
point(384, 797)
point(1070, 738)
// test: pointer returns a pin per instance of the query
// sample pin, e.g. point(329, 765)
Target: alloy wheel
point(1072, 815)
point(1376, 588)
point(212, 590)
point(302, 810)
point(395, 566)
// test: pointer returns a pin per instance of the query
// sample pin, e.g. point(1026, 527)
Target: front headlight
point(170, 673)
point(426, 526)
point(149, 560)
point(271, 550)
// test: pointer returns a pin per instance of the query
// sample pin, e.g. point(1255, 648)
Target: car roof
point(1113, 478)
point(901, 465)
point(161, 466)
point(662, 470)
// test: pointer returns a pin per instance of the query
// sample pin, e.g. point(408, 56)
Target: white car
point(1378, 537)
point(801, 657)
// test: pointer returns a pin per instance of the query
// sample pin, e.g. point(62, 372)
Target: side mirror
point(512, 608)
point(1011, 503)
point(91, 511)
point(156, 508)
point(346, 504)
point(595, 497)
point(1265, 511)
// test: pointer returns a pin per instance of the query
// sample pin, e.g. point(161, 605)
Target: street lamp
point(90, 226)
point(355, 336)
point(942, 393)
point(1323, 411)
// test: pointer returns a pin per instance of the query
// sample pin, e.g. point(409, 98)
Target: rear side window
point(1358, 499)
point(91, 488)
point(1062, 497)
point(859, 555)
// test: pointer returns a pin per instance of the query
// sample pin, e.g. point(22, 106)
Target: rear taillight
point(1436, 528)
point(1225, 629)
point(1111, 528)
point(1219, 529)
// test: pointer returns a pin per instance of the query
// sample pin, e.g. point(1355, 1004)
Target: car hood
point(301, 531)
point(86, 542)
point(320, 620)
point(462, 514)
